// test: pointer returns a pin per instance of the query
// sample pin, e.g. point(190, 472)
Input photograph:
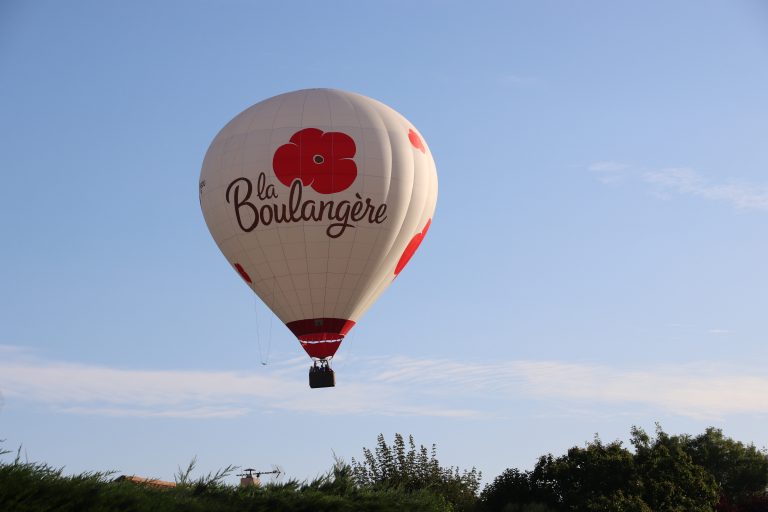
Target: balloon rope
point(271, 319)
point(258, 328)
point(269, 339)
point(264, 355)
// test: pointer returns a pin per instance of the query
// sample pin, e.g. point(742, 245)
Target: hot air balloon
point(318, 198)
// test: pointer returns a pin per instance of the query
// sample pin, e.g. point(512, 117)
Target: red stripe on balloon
point(320, 337)
point(315, 329)
point(321, 350)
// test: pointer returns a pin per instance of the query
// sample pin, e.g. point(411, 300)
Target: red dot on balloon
point(410, 249)
point(243, 273)
point(416, 141)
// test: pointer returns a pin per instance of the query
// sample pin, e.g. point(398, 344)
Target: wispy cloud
point(686, 181)
point(607, 166)
point(401, 386)
point(699, 390)
point(608, 171)
point(81, 388)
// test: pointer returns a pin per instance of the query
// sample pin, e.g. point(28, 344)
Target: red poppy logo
point(416, 141)
point(410, 249)
point(321, 160)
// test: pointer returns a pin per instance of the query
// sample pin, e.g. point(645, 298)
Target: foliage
point(215, 479)
point(584, 477)
point(412, 469)
point(671, 480)
point(514, 491)
point(36, 487)
point(663, 474)
point(741, 471)
point(599, 477)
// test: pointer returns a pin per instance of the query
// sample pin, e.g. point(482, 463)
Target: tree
point(741, 471)
point(671, 481)
point(660, 476)
point(586, 476)
point(596, 478)
point(514, 491)
point(413, 470)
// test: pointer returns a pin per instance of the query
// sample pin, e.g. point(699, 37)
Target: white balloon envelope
point(318, 198)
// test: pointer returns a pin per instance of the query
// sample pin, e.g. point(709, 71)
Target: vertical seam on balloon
point(304, 226)
point(324, 313)
point(277, 228)
point(337, 309)
point(247, 253)
point(354, 233)
point(383, 261)
point(372, 270)
point(432, 183)
point(243, 250)
point(274, 274)
point(379, 289)
point(365, 301)
point(269, 263)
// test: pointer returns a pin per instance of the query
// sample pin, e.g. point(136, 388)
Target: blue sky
point(596, 260)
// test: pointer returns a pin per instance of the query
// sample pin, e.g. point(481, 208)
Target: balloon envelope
point(318, 198)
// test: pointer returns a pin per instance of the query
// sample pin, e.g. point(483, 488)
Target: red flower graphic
point(416, 141)
point(411, 248)
point(320, 160)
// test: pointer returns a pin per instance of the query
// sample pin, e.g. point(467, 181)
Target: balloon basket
point(321, 376)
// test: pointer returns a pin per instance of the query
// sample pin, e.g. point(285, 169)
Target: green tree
point(660, 476)
point(740, 470)
point(596, 478)
point(671, 481)
point(587, 478)
point(516, 491)
point(412, 469)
